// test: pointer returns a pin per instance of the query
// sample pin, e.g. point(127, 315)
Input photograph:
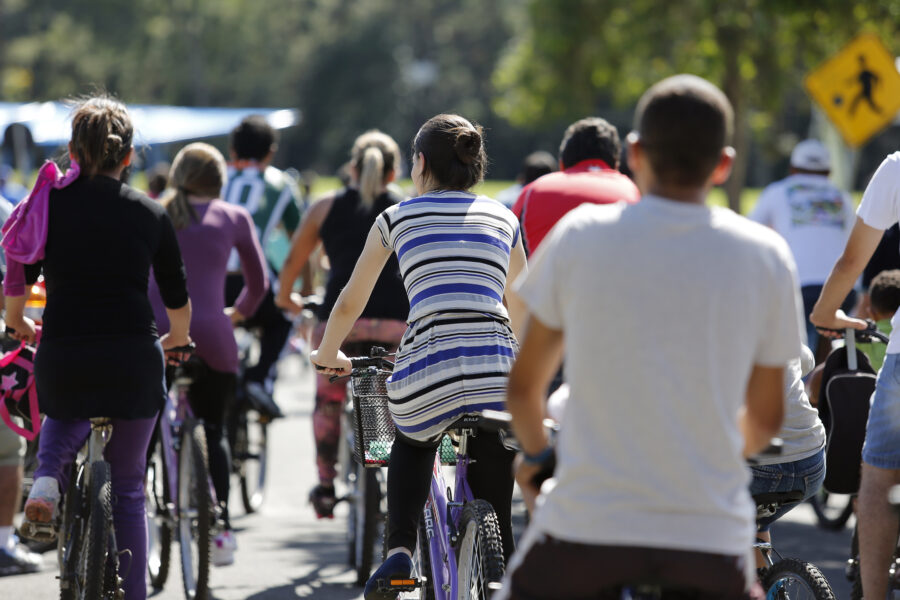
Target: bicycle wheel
point(480, 551)
point(250, 453)
point(796, 580)
point(363, 521)
point(832, 511)
point(90, 571)
point(194, 510)
point(71, 533)
point(159, 525)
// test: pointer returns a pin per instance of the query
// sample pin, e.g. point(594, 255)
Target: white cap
point(811, 155)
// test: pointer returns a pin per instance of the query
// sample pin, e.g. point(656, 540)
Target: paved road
point(285, 553)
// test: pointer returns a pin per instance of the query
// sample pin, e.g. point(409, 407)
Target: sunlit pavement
point(284, 552)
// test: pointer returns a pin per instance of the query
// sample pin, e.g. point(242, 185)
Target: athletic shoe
point(397, 566)
point(42, 503)
point(19, 560)
point(223, 549)
point(262, 401)
point(323, 500)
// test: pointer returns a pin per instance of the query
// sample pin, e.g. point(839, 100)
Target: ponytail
point(371, 175)
point(198, 169)
point(375, 155)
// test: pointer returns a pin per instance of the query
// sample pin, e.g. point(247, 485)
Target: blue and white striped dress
point(453, 249)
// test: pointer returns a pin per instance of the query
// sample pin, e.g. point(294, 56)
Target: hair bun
point(467, 145)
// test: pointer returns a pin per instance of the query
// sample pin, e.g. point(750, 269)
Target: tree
point(571, 58)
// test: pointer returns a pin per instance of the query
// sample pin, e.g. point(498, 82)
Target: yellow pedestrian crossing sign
point(858, 88)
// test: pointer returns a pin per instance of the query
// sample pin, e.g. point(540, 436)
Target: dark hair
point(590, 138)
point(453, 150)
point(684, 122)
point(884, 292)
point(158, 179)
point(253, 139)
point(537, 164)
point(101, 134)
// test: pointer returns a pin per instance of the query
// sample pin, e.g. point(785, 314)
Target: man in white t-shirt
point(878, 523)
point(814, 216)
point(677, 321)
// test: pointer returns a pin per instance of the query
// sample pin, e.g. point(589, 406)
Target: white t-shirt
point(814, 216)
point(665, 308)
point(880, 208)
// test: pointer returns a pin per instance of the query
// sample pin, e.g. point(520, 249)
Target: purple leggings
point(127, 456)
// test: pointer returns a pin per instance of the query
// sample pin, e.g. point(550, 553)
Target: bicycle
point(459, 553)
point(86, 548)
point(179, 493)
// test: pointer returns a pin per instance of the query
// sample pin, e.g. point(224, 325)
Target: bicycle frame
point(176, 411)
point(442, 516)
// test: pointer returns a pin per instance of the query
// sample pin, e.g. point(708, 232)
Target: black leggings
point(212, 393)
point(409, 481)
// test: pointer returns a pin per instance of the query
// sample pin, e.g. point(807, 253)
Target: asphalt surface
point(284, 552)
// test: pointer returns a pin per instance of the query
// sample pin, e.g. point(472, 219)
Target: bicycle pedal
point(39, 532)
point(408, 584)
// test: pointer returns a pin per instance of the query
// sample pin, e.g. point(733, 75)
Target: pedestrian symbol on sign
point(867, 81)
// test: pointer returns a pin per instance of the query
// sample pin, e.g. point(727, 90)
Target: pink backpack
point(18, 393)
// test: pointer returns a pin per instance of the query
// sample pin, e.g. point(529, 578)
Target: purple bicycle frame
point(444, 572)
point(176, 411)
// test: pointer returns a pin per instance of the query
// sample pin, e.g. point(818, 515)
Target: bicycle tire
point(789, 574)
point(480, 551)
point(95, 545)
point(159, 525)
point(366, 494)
point(194, 511)
point(249, 451)
point(828, 518)
point(71, 532)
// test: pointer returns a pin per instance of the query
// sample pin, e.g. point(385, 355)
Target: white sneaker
point(223, 549)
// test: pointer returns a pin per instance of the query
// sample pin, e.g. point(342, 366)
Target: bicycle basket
point(374, 426)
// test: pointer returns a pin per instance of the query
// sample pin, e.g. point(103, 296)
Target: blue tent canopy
point(50, 122)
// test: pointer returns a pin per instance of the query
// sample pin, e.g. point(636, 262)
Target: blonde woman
point(341, 222)
point(208, 229)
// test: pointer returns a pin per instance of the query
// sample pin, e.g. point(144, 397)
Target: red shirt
point(544, 201)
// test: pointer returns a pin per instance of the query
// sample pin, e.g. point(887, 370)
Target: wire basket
point(374, 427)
point(374, 434)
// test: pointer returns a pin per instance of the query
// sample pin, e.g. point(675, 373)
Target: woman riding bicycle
point(99, 353)
point(341, 223)
point(457, 253)
point(208, 229)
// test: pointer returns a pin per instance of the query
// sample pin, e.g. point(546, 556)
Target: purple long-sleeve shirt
point(205, 248)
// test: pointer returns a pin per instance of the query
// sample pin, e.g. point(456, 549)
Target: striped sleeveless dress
point(453, 249)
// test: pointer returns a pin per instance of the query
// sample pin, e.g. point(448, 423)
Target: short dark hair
point(454, 151)
point(684, 122)
point(537, 164)
point(590, 138)
point(884, 292)
point(253, 139)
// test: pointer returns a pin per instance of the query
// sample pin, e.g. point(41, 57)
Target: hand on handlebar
point(833, 326)
point(21, 329)
point(235, 316)
point(337, 365)
point(526, 478)
point(289, 302)
point(176, 348)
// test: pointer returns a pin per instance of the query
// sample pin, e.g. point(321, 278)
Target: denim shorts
point(804, 475)
point(882, 447)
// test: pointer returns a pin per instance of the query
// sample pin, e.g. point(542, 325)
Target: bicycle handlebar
point(375, 359)
point(870, 333)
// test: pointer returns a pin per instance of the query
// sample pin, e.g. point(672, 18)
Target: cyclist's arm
point(253, 265)
point(351, 302)
point(760, 419)
point(517, 310)
point(860, 247)
point(303, 244)
point(179, 327)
